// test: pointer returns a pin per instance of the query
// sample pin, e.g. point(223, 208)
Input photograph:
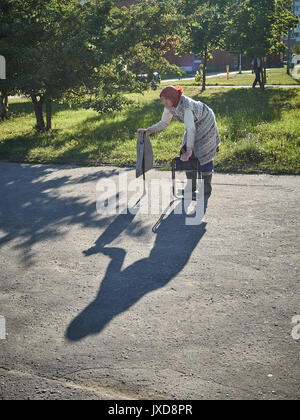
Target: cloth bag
point(192, 164)
point(144, 151)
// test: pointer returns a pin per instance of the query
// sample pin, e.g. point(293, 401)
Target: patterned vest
point(185, 102)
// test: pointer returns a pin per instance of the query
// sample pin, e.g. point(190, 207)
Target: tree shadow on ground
point(122, 288)
point(33, 209)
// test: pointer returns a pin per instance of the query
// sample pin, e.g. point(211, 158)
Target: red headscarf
point(174, 93)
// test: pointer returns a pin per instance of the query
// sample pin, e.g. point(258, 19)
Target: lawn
point(274, 77)
point(260, 132)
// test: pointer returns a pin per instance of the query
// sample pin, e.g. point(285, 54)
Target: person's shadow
point(120, 289)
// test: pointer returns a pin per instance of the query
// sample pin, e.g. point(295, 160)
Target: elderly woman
point(201, 138)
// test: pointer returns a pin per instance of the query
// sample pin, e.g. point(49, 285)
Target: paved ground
point(124, 307)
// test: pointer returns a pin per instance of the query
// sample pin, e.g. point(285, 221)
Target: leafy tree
point(64, 51)
point(296, 48)
point(203, 26)
point(6, 86)
point(136, 40)
point(256, 27)
point(50, 43)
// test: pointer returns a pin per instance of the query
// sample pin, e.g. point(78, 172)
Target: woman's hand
point(186, 156)
point(148, 132)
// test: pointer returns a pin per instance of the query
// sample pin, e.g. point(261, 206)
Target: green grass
point(274, 77)
point(260, 132)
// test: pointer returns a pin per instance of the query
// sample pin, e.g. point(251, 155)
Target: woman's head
point(171, 95)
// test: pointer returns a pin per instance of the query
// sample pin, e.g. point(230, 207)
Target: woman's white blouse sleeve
point(190, 128)
point(163, 123)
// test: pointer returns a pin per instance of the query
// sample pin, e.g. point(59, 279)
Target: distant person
point(201, 138)
point(257, 69)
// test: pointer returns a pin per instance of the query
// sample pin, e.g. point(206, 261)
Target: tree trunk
point(240, 64)
point(38, 109)
point(265, 73)
point(3, 105)
point(48, 114)
point(204, 70)
point(289, 52)
point(263, 79)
